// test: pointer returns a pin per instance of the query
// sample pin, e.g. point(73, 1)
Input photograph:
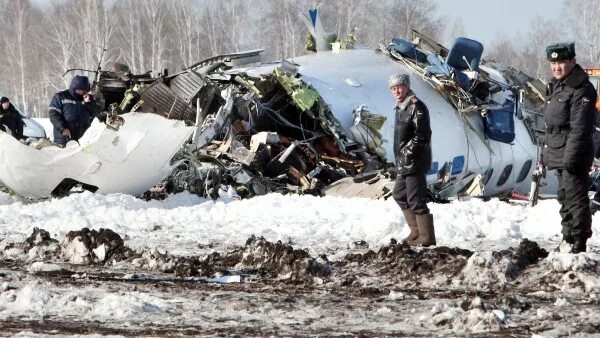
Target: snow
point(320, 224)
point(43, 267)
point(187, 225)
point(48, 128)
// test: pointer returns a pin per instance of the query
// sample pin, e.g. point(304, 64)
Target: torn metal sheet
point(160, 99)
point(129, 160)
point(379, 187)
point(217, 124)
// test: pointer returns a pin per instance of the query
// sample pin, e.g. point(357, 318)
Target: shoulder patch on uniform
point(585, 100)
point(414, 99)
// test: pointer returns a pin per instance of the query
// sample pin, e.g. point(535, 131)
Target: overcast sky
point(485, 19)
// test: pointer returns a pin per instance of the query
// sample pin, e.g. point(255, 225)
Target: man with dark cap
point(71, 111)
point(10, 119)
point(570, 116)
point(412, 150)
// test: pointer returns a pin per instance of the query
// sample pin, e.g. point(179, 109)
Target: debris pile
point(86, 246)
point(402, 264)
point(468, 316)
point(38, 246)
point(260, 133)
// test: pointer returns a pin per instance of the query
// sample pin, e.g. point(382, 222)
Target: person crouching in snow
point(412, 150)
point(10, 119)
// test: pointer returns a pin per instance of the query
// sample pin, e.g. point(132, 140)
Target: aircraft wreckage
point(320, 124)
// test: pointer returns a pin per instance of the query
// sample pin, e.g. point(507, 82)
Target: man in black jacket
point(570, 115)
point(10, 119)
point(412, 150)
point(71, 111)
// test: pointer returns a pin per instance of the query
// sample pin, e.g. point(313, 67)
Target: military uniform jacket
point(570, 116)
point(412, 137)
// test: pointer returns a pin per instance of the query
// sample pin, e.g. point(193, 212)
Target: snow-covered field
point(288, 265)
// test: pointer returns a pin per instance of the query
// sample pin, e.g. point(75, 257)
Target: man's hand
point(67, 133)
point(393, 172)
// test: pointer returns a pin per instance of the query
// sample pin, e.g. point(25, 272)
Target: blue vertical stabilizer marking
point(313, 16)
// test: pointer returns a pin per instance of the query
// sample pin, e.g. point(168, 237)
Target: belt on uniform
point(558, 130)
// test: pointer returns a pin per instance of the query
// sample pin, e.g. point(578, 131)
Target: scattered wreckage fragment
point(258, 133)
point(128, 158)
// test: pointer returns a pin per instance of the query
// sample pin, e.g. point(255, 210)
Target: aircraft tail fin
point(312, 20)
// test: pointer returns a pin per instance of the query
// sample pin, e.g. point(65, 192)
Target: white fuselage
point(357, 77)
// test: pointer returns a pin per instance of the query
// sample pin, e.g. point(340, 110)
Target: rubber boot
point(426, 230)
point(579, 245)
point(411, 220)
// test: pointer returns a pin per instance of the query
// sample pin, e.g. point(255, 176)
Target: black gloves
point(393, 172)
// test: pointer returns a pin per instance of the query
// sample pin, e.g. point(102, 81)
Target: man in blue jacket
point(71, 111)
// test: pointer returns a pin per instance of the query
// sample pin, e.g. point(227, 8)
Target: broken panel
point(160, 99)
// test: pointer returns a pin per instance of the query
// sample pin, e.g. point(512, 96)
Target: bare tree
point(457, 30)
point(153, 14)
point(584, 21)
point(285, 35)
point(503, 49)
point(17, 23)
point(542, 33)
point(97, 28)
point(142, 37)
point(185, 22)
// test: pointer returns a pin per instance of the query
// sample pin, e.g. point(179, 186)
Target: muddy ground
point(90, 282)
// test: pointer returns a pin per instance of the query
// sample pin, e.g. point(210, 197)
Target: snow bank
point(127, 306)
point(36, 300)
point(318, 223)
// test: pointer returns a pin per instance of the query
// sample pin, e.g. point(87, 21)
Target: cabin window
point(487, 175)
point(505, 175)
point(524, 171)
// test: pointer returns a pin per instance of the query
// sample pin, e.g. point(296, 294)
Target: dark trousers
point(574, 204)
point(410, 192)
point(595, 205)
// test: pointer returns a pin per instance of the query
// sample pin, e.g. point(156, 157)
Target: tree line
point(40, 42)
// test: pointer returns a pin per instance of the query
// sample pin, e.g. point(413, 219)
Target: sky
point(483, 20)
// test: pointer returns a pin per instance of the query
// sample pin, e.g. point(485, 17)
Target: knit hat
point(80, 82)
point(399, 80)
point(4, 99)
